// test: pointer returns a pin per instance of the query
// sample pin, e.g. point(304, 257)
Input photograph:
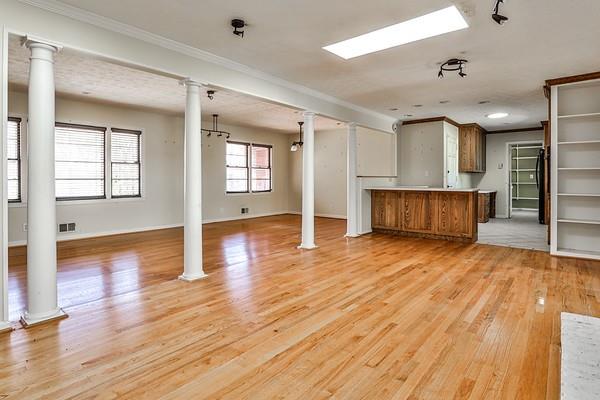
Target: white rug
point(580, 360)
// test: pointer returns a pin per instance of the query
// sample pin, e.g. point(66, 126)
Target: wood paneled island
point(449, 214)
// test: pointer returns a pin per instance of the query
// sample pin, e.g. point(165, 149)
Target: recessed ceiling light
point(433, 24)
point(86, 92)
point(484, 102)
point(497, 115)
point(417, 105)
point(408, 115)
point(444, 101)
point(393, 109)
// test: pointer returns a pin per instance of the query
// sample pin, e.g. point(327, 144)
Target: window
point(261, 168)
point(125, 163)
point(248, 167)
point(79, 152)
point(13, 150)
point(237, 167)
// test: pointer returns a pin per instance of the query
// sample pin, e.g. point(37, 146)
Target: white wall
point(496, 178)
point(421, 158)
point(376, 156)
point(162, 204)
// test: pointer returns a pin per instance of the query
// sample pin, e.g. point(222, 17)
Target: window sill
point(248, 193)
point(62, 203)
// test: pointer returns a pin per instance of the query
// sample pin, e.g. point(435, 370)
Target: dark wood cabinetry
point(442, 214)
point(471, 145)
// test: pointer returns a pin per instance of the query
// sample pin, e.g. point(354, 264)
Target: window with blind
point(79, 154)
point(125, 159)
point(261, 168)
point(13, 152)
point(236, 155)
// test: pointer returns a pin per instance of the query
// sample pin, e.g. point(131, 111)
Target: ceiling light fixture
point(238, 27)
point(497, 115)
point(215, 128)
point(299, 143)
point(499, 19)
point(453, 64)
point(433, 24)
point(210, 94)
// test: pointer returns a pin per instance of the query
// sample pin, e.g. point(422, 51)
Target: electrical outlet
point(245, 210)
point(25, 227)
point(500, 165)
point(530, 176)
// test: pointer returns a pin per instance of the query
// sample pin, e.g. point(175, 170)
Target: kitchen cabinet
point(471, 148)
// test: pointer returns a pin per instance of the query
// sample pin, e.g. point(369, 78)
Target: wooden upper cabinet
point(471, 144)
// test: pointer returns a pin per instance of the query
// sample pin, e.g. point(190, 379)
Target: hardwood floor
point(375, 317)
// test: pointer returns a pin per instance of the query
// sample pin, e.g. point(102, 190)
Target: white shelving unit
point(575, 176)
point(523, 184)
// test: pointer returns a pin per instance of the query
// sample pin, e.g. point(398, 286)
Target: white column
point(42, 302)
point(351, 183)
point(308, 183)
point(4, 323)
point(192, 237)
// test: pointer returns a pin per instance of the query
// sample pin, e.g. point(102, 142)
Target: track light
point(210, 94)
point(453, 64)
point(498, 18)
point(298, 144)
point(215, 128)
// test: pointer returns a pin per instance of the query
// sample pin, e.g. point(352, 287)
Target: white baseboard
point(89, 235)
point(245, 216)
point(335, 216)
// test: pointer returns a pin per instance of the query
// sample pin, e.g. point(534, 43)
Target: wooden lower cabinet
point(450, 215)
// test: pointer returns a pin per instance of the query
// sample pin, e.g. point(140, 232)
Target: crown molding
point(148, 37)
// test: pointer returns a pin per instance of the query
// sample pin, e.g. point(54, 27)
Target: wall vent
point(68, 227)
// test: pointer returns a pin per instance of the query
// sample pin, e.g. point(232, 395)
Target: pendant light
point(297, 145)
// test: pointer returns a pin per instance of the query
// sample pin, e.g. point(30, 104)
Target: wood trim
point(573, 79)
point(474, 124)
point(434, 119)
point(531, 129)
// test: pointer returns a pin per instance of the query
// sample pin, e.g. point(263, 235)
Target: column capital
point(351, 125)
point(32, 41)
point(190, 82)
point(309, 113)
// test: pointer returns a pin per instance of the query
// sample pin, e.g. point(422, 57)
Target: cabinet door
point(416, 211)
point(456, 214)
point(384, 208)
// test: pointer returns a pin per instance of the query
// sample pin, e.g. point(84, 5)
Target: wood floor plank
point(375, 317)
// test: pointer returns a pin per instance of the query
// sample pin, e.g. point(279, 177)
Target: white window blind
point(13, 152)
point(237, 167)
point(125, 156)
point(79, 152)
point(261, 168)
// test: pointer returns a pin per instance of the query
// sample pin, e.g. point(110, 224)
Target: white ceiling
point(507, 64)
point(76, 74)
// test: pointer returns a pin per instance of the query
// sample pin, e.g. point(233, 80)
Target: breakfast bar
point(437, 213)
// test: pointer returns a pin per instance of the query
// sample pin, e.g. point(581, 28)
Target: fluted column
point(42, 301)
point(351, 183)
point(192, 238)
point(308, 183)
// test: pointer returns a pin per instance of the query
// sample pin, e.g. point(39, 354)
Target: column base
point(28, 320)
point(351, 235)
point(308, 247)
point(5, 326)
point(192, 278)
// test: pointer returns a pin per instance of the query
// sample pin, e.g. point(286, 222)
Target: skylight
point(429, 25)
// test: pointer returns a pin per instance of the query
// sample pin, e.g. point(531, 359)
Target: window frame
point(138, 133)
point(104, 131)
point(19, 158)
point(247, 167)
point(269, 168)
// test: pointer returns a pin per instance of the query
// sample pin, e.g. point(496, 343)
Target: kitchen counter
point(421, 189)
point(437, 213)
